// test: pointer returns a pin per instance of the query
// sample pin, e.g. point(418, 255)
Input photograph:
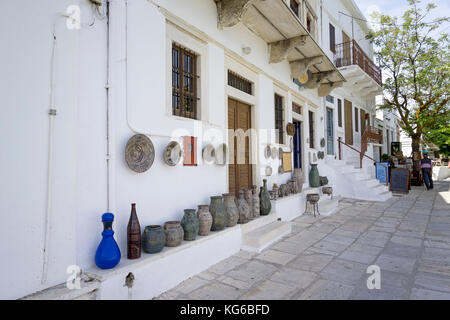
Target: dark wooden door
point(298, 145)
point(347, 54)
point(348, 122)
point(240, 169)
point(362, 116)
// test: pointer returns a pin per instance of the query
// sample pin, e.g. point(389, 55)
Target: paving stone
point(234, 283)
point(386, 292)
point(215, 291)
point(414, 242)
point(269, 290)
point(295, 278)
point(396, 279)
point(410, 234)
point(290, 247)
point(227, 265)
point(436, 254)
point(191, 284)
point(395, 264)
point(346, 233)
point(436, 244)
point(372, 250)
point(422, 294)
point(377, 235)
point(432, 282)
point(371, 241)
point(274, 256)
point(339, 239)
point(326, 290)
point(343, 271)
point(357, 256)
point(245, 254)
point(399, 250)
point(311, 262)
point(252, 271)
point(207, 275)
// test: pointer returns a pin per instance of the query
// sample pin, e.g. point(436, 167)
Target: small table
point(313, 199)
point(328, 191)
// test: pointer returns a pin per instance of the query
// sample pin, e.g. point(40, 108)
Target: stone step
point(259, 239)
point(371, 182)
point(258, 223)
point(327, 206)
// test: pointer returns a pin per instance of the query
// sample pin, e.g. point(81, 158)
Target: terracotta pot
point(264, 200)
point(248, 196)
point(190, 224)
point(153, 239)
point(174, 233)
point(256, 205)
point(298, 175)
point(217, 210)
point(244, 208)
point(205, 220)
point(231, 209)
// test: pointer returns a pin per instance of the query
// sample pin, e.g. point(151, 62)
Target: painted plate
point(209, 154)
point(281, 169)
point(139, 153)
point(221, 154)
point(268, 171)
point(267, 152)
point(280, 153)
point(274, 153)
point(172, 154)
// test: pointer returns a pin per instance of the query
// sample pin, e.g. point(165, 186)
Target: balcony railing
point(350, 53)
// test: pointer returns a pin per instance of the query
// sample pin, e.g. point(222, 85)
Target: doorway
point(330, 132)
point(348, 122)
point(239, 168)
point(298, 145)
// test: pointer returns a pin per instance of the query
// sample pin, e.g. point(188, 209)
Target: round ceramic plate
point(280, 153)
point(172, 154)
point(221, 154)
point(139, 153)
point(209, 154)
point(280, 169)
point(274, 153)
point(268, 171)
point(267, 152)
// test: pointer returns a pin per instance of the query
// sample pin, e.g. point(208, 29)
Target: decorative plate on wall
point(280, 153)
point(221, 154)
point(139, 153)
point(281, 169)
point(274, 153)
point(209, 154)
point(267, 152)
point(172, 154)
point(290, 129)
point(268, 171)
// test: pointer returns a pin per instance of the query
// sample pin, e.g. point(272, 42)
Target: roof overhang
point(288, 39)
point(359, 83)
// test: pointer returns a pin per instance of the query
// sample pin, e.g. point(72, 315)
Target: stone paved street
point(408, 237)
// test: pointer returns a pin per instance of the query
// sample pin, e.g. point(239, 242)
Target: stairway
point(262, 232)
point(350, 181)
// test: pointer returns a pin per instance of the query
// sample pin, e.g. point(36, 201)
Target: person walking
point(427, 166)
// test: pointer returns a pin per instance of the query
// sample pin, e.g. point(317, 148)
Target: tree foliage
point(415, 60)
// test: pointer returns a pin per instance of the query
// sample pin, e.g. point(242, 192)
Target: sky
point(397, 7)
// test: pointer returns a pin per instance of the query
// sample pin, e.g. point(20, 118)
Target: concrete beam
point(326, 88)
point(231, 12)
point(299, 67)
point(317, 79)
point(280, 50)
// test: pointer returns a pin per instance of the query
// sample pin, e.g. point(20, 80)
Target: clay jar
point(265, 204)
point(174, 233)
point(248, 196)
point(190, 224)
point(244, 208)
point(231, 209)
point(217, 210)
point(256, 205)
point(298, 175)
point(205, 220)
point(153, 239)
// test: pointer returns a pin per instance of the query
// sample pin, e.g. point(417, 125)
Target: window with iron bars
point(240, 83)
point(279, 118)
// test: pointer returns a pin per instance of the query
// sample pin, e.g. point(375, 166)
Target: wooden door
point(298, 145)
point(330, 131)
point(347, 49)
point(348, 122)
point(362, 116)
point(240, 169)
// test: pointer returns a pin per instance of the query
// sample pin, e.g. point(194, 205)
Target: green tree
point(440, 134)
point(415, 60)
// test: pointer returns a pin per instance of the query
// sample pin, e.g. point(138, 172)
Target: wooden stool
point(313, 199)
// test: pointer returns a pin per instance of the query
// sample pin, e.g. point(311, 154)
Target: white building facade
point(78, 88)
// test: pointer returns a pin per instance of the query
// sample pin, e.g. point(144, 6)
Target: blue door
point(330, 134)
point(298, 145)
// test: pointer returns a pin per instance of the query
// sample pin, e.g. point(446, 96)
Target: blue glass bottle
point(108, 252)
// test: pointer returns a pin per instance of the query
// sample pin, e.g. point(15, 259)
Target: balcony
point(361, 73)
point(288, 39)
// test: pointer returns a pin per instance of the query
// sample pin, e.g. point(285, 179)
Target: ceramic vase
point(217, 210)
point(256, 205)
point(133, 235)
point(153, 239)
point(248, 196)
point(174, 233)
point(244, 208)
point(264, 200)
point(205, 220)
point(190, 224)
point(314, 180)
point(298, 176)
point(108, 254)
point(231, 209)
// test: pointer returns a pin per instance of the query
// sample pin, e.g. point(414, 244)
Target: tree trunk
point(415, 145)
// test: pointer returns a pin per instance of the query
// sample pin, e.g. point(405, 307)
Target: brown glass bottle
point(133, 235)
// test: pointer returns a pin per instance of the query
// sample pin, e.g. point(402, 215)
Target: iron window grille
point(340, 113)
point(240, 83)
point(296, 108)
point(356, 120)
point(279, 118)
point(311, 129)
point(184, 82)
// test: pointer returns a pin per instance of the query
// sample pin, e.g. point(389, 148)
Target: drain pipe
point(109, 158)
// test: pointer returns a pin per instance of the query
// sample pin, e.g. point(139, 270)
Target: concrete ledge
point(261, 238)
point(61, 292)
